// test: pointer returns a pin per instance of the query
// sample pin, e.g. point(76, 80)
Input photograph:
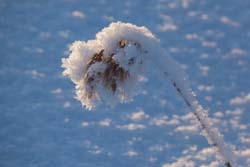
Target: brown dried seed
point(131, 61)
point(113, 85)
point(96, 58)
point(90, 95)
point(99, 74)
point(122, 43)
point(112, 74)
point(90, 79)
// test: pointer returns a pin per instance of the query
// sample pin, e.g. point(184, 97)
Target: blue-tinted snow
point(43, 125)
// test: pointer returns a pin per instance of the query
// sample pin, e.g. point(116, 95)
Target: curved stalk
point(211, 134)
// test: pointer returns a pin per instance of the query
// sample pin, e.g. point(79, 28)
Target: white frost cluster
point(106, 70)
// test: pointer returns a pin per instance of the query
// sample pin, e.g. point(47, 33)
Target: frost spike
point(179, 81)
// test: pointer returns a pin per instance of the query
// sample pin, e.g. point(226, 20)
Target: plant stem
point(212, 135)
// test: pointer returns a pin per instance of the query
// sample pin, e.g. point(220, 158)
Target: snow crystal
point(66, 104)
point(78, 14)
point(85, 124)
point(187, 128)
point(131, 153)
point(35, 74)
point(240, 100)
point(164, 120)
point(106, 122)
point(167, 27)
point(245, 140)
point(137, 116)
point(57, 91)
point(228, 21)
point(131, 127)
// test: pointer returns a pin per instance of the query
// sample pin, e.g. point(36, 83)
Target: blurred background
point(41, 124)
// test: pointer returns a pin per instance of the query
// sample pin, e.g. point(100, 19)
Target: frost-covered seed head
point(110, 76)
point(107, 70)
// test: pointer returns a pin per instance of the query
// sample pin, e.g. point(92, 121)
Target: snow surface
point(42, 125)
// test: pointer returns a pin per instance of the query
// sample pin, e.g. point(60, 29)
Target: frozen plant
point(108, 69)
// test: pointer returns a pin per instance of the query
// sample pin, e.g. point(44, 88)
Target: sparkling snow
point(42, 125)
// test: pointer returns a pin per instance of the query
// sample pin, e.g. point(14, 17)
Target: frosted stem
point(212, 134)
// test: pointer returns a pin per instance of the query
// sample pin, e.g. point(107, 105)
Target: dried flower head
point(106, 70)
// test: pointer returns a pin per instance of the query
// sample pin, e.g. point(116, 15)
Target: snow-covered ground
point(41, 124)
